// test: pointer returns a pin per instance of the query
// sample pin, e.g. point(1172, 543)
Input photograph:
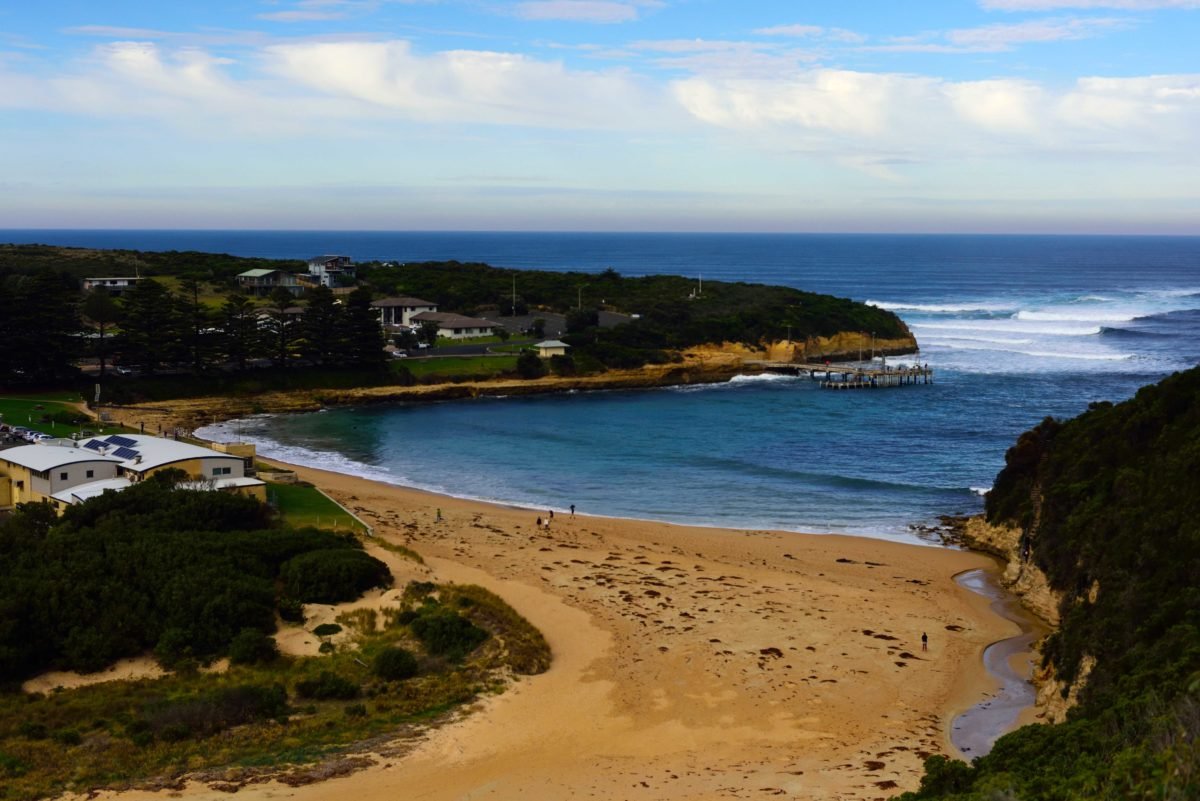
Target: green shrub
point(252, 646)
point(328, 686)
point(530, 366)
point(332, 576)
point(356, 710)
point(327, 629)
point(395, 664)
point(446, 633)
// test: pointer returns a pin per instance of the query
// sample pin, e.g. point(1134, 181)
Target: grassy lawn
point(26, 412)
point(459, 365)
point(304, 505)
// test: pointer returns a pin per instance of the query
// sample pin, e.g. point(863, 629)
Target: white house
point(456, 326)
point(116, 286)
point(331, 270)
point(400, 311)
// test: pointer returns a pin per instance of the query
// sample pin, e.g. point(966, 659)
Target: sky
point(1030, 116)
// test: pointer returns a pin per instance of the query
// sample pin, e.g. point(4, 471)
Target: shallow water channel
point(1010, 662)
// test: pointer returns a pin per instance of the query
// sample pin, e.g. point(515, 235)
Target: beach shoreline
point(689, 662)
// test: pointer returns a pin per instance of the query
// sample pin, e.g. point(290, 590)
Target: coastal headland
point(697, 365)
point(688, 662)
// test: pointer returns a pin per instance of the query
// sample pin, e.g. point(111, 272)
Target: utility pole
point(514, 305)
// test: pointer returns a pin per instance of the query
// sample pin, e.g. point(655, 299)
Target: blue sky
point(710, 115)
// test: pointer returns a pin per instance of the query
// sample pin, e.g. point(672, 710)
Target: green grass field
point(28, 412)
point(302, 505)
point(452, 366)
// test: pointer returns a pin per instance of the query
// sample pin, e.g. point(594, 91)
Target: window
point(91, 473)
point(222, 471)
point(62, 476)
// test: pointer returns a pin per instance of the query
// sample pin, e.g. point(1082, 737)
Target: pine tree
point(240, 337)
point(150, 326)
point(101, 311)
point(363, 333)
point(320, 326)
point(281, 329)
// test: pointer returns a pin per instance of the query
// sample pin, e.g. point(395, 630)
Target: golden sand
point(689, 663)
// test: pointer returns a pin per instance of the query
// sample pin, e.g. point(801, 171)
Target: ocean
point(1017, 328)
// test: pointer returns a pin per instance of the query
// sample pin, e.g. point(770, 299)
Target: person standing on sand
point(551, 513)
point(572, 510)
point(539, 522)
point(924, 641)
point(439, 516)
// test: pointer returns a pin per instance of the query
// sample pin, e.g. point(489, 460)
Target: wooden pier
point(849, 376)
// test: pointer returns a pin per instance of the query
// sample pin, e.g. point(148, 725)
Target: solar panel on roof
point(96, 445)
point(125, 453)
point(124, 442)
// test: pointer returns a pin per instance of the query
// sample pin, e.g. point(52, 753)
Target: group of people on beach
point(544, 522)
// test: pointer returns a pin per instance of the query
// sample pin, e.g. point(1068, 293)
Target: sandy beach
point(689, 663)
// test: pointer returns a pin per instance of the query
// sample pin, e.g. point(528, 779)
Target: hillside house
point(332, 271)
point(261, 283)
point(115, 286)
point(396, 312)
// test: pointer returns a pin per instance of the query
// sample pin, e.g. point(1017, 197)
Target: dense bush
point(176, 571)
point(215, 710)
point(332, 576)
point(395, 664)
point(252, 646)
point(529, 365)
point(446, 633)
point(1108, 507)
point(328, 686)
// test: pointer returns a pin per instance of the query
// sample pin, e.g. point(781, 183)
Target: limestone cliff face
point(1021, 576)
point(1028, 582)
point(845, 345)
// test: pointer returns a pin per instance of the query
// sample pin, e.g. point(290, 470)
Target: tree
point(529, 365)
point(239, 330)
point(150, 326)
point(363, 334)
point(101, 311)
point(429, 332)
point(320, 326)
point(539, 327)
point(39, 323)
point(194, 323)
point(280, 326)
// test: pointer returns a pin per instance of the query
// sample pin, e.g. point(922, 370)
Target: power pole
point(514, 305)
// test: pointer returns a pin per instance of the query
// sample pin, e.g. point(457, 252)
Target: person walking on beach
point(572, 510)
point(439, 516)
point(924, 641)
point(551, 513)
point(539, 522)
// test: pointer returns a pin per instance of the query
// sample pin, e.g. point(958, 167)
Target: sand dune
point(689, 663)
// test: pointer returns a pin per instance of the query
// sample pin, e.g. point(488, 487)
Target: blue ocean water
point(1017, 328)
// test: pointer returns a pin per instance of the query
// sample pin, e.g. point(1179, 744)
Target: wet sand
point(1010, 662)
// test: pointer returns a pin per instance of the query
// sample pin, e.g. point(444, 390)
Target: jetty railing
point(849, 376)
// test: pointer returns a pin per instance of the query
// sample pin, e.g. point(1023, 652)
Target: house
point(551, 347)
point(399, 311)
point(114, 286)
point(67, 474)
point(331, 271)
point(261, 283)
point(456, 326)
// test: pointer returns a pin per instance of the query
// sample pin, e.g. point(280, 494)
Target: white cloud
point(598, 11)
point(467, 85)
point(1003, 37)
point(812, 32)
point(1056, 5)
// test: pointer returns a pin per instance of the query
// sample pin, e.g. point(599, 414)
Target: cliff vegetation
point(1107, 507)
